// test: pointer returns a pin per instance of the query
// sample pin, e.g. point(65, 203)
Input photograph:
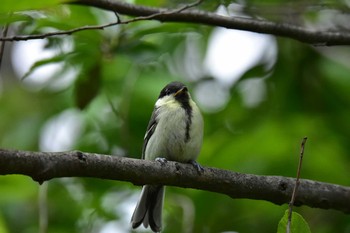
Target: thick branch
point(207, 18)
point(42, 166)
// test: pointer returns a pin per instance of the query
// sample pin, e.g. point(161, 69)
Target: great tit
point(174, 132)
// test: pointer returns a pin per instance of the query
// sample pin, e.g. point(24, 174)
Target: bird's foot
point(198, 167)
point(162, 161)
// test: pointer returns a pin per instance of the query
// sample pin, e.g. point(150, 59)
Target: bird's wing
point(150, 130)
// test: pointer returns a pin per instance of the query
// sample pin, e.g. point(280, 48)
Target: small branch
point(58, 33)
point(297, 182)
point(98, 27)
point(43, 166)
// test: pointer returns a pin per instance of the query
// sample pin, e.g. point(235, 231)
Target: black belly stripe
point(184, 99)
point(188, 111)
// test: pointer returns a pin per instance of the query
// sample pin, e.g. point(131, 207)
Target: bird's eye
point(167, 92)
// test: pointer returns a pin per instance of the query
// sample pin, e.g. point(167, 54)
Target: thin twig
point(297, 182)
point(2, 45)
point(58, 33)
point(99, 27)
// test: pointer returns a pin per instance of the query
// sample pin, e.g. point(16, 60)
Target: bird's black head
point(178, 90)
point(172, 88)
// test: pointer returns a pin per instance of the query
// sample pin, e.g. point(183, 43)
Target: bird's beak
point(180, 91)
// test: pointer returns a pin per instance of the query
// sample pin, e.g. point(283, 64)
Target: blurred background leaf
point(8, 5)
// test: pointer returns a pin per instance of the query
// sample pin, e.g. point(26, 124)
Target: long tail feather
point(149, 208)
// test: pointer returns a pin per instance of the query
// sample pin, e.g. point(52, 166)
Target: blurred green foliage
point(121, 71)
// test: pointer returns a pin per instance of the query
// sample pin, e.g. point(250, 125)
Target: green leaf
point(45, 61)
point(11, 18)
point(87, 85)
point(257, 71)
point(298, 224)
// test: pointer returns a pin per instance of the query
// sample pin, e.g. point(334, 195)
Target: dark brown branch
point(309, 36)
point(43, 166)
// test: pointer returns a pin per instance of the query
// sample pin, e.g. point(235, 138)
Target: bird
point(174, 133)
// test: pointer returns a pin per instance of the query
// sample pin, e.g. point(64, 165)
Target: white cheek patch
point(164, 100)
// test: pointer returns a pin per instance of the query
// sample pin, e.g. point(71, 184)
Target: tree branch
point(309, 36)
point(314, 37)
point(42, 166)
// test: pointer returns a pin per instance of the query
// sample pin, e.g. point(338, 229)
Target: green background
point(122, 70)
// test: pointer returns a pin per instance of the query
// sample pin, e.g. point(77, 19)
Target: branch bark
point(43, 166)
point(314, 37)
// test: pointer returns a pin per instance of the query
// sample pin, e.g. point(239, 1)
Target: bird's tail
point(149, 208)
